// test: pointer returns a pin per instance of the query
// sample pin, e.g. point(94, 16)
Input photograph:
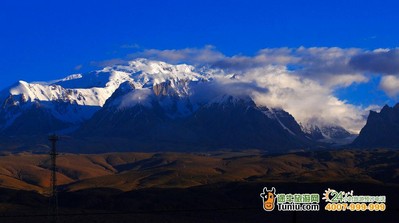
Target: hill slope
point(131, 171)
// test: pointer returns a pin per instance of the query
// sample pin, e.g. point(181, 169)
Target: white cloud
point(344, 80)
point(376, 108)
point(305, 99)
point(390, 85)
point(208, 54)
point(380, 61)
point(328, 66)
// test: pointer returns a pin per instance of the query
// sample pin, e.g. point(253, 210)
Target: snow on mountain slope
point(75, 98)
point(328, 133)
point(31, 92)
point(95, 88)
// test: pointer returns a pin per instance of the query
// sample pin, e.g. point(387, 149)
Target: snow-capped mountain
point(76, 98)
point(147, 103)
point(328, 133)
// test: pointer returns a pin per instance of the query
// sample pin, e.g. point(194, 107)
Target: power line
point(53, 206)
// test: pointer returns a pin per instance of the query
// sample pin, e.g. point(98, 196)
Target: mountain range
point(152, 105)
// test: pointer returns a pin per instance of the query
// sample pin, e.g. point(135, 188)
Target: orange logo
point(269, 198)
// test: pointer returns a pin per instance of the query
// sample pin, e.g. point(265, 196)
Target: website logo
point(268, 198)
point(335, 201)
point(289, 202)
point(348, 201)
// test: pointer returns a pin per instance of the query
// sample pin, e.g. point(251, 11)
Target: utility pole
point(53, 180)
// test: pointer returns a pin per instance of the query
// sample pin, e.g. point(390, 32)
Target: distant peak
point(19, 87)
point(21, 82)
point(385, 108)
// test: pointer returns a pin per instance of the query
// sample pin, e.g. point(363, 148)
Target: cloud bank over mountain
point(300, 80)
point(303, 81)
point(328, 66)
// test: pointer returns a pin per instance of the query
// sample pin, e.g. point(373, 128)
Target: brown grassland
point(219, 186)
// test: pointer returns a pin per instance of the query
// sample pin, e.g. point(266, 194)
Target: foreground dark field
point(230, 202)
point(182, 187)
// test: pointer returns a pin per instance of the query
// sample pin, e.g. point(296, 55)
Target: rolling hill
point(131, 171)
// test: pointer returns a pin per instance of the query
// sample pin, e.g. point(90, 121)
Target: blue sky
point(44, 40)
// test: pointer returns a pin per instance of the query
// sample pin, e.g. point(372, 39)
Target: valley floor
point(192, 187)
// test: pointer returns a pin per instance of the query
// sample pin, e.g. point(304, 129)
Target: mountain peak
point(381, 129)
point(385, 108)
point(157, 72)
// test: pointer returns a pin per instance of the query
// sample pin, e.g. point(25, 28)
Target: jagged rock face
point(288, 121)
point(381, 129)
point(314, 132)
point(171, 88)
point(239, 123)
